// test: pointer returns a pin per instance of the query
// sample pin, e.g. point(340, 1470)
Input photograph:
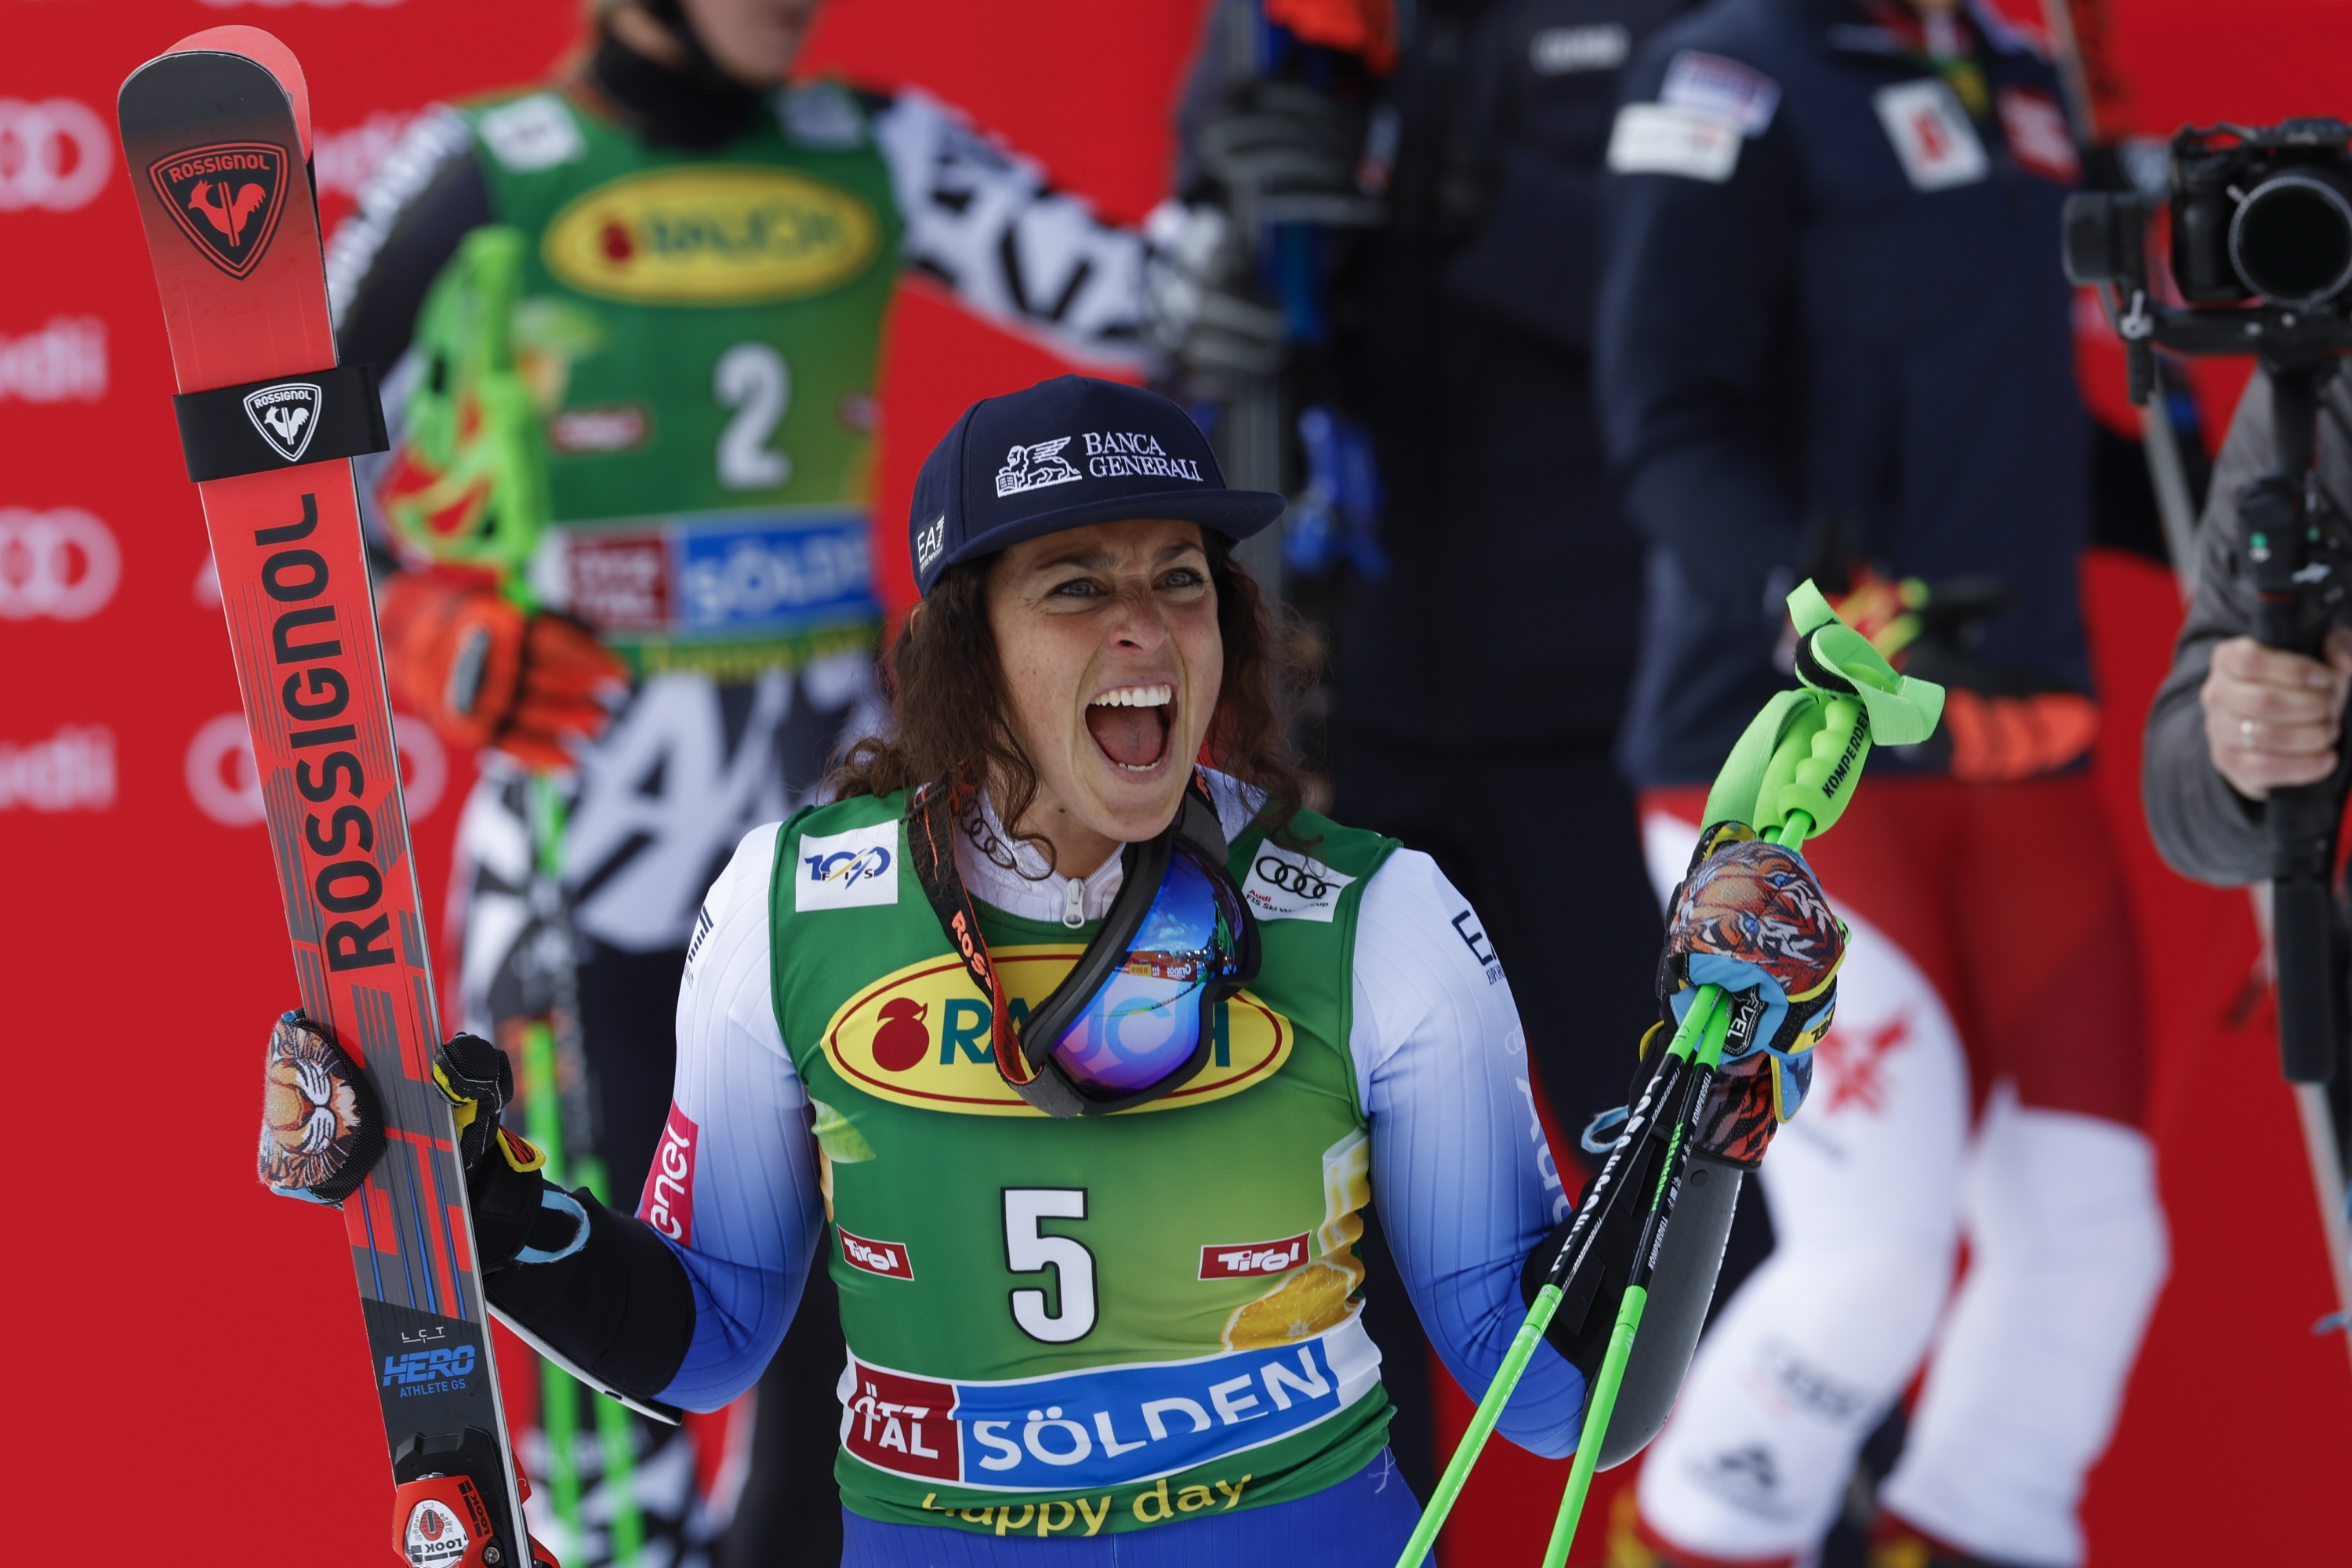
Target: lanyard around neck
point(930, 841)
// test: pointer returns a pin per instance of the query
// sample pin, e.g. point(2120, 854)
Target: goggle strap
point(931, 842)
point(1198, 823)
point(1197, 820)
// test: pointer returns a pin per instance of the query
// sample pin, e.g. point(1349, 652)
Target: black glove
point(323, 1131)
point(1200, 306)
point(1276, 152)
point(1286, 144)
point(519, 1214)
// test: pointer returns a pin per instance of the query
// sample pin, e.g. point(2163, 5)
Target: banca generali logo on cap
point(1109, 455)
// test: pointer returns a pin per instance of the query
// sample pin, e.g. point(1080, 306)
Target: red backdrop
point(191, 1379)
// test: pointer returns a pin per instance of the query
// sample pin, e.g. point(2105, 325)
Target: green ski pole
point(1602, 1402)
point(1813, 763)
point(1664, 1089)
point(559, 1118)
point(1602, 1405)
point(1790, 776)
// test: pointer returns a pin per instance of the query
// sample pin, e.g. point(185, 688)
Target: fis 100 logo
point(428, 1372)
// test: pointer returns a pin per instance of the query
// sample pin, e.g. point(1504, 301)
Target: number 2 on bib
point(1027, 1252)
point(753, 380)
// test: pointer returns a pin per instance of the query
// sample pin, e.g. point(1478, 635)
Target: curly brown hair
point(950, 723)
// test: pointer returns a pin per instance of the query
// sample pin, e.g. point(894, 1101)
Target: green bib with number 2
point(699, 331)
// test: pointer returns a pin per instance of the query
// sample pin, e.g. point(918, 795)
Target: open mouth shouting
point(1132, 724)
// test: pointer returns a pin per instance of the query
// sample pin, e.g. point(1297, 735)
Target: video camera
point(2261, 241)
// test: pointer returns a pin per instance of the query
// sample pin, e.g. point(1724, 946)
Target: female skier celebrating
point(1090, 1053)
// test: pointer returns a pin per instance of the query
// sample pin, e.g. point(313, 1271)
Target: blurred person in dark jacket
point(1833, 340)
point(1452, 328)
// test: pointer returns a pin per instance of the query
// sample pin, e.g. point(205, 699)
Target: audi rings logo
point(1293, 878)
point(1286, 886)
point(53, 154)
point(62, 564)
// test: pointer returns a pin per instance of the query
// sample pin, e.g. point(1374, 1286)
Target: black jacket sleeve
point(620, 1309)
point(427, 196)
point(1698, 383)
point(2203, 827)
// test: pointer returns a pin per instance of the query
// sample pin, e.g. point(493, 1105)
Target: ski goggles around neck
point(1134, 1018)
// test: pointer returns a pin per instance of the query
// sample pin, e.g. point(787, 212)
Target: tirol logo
point(287, 415)
point(1033, 466)
point(711, 236)
point(667, 1204)
point(225, 198)
point(887, 1259)
point(921, 1037)
point(1252, 1259)
point(435, 1535)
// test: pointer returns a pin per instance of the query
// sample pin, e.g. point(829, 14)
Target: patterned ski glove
point(1750, 918)
point(484, 673)
point(321, 1127)
point(518, 1215)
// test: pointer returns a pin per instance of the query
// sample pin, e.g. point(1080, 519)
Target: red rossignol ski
point(218, 134)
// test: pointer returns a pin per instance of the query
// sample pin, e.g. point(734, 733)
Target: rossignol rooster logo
point(225, 197)
point(286, 415)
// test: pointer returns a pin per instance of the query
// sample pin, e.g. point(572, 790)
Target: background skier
point(693, 315)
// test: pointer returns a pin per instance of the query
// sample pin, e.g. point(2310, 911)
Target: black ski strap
point(261, 426)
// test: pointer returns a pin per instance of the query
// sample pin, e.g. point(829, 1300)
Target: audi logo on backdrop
point(62, 564)
point(73, 770)
point(54, 154)
point(66, 359)
point(227, 786)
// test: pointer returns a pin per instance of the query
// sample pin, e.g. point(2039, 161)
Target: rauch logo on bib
point(711, 236)
point(920, 1037)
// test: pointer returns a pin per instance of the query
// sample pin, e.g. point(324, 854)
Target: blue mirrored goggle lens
point(1144, 1022)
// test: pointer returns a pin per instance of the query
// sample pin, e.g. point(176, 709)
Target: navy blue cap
point(1063, 454)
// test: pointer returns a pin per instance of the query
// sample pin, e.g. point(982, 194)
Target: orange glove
point(484, 673)
point(2000, 739)
point(1994, 737)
